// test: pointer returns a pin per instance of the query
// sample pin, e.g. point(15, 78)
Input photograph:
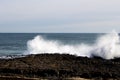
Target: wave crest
point(106, 46)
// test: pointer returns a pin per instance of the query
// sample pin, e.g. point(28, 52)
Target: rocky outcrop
point(60, 66)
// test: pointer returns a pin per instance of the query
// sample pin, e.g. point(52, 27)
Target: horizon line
point(55, 32)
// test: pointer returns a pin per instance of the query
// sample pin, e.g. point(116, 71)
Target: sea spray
point(41, 45)
point(106, 46)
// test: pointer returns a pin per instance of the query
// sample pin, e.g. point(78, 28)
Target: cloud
point(60, 14)
point(30, 9)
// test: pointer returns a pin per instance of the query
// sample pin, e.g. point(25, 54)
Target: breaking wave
point(106, 46)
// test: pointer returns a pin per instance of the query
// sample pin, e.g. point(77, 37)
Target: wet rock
point(60, 66)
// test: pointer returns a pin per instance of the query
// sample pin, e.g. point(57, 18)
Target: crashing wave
point(106, 46)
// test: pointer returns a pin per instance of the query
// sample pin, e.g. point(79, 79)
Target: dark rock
point(60, 66)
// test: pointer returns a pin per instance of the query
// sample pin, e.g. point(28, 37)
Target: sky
point(59, 16)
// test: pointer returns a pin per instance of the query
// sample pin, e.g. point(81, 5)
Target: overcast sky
point(59, 16)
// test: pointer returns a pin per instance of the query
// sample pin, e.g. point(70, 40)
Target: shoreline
point(59, 66)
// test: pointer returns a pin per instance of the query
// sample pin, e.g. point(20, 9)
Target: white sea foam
point(106, 46)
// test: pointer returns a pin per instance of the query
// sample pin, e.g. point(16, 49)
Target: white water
point(106, 46)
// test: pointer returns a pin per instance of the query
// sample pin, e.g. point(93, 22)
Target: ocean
point(16, 43)
point(81, 44)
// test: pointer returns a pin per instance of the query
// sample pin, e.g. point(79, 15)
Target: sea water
point(16, 43)
point(80, 44)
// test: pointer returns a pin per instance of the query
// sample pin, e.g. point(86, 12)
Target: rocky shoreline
point(59, 66)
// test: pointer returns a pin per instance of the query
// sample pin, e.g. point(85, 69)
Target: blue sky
point(59, 16)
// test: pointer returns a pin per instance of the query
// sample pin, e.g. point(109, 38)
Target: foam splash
point(106, 46)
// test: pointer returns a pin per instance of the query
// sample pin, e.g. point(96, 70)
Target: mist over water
point(106, 46)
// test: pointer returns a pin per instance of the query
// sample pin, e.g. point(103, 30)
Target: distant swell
point(106, 46)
